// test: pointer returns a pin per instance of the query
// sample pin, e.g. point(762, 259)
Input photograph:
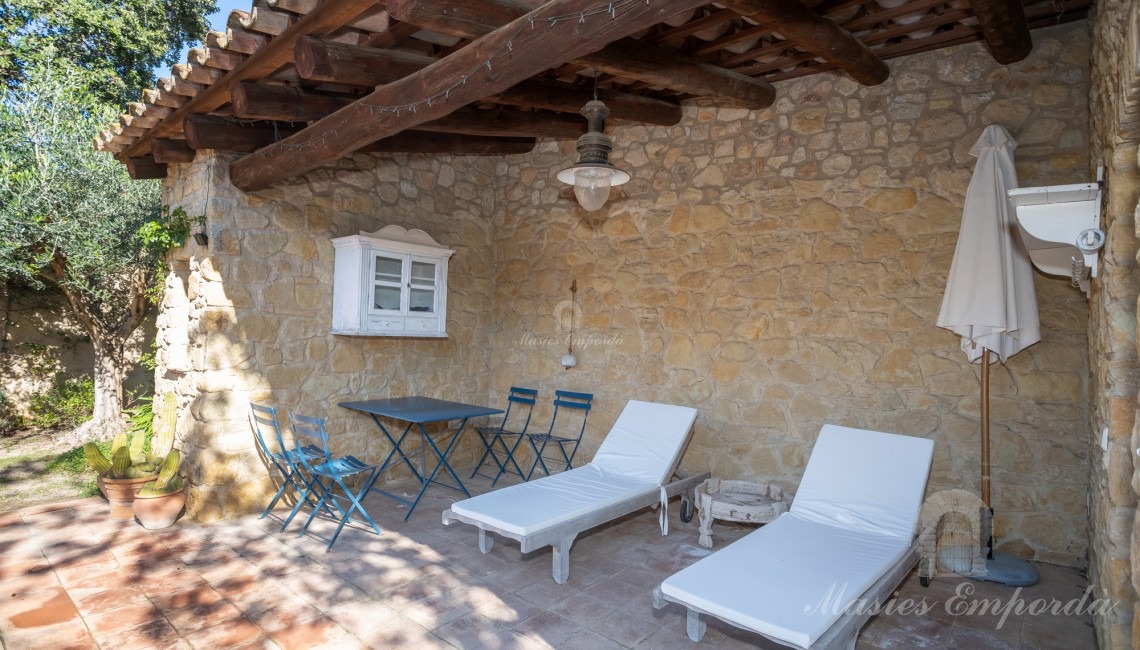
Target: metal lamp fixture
point(593, 175)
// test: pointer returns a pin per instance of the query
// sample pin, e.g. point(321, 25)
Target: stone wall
point(40, 340)
point(249, 318)
point(783, 269)
point(1114, 554)
point(776, 270)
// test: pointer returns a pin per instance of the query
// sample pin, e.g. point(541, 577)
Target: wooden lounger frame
point(562, 535)
point(842, 634)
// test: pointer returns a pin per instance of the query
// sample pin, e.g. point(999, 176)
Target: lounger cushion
point(646, 441)
point(866, 480)
point(790, 580)
point(528, 508)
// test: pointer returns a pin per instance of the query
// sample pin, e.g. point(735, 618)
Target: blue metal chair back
point(289, 460)
point(571, 401)
point(312, 429)
point(493, 436)
point(564, 399)
point(266, 417)
point(525, 397)
point(330, 473)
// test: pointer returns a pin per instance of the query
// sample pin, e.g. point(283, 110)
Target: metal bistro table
point(418, 411)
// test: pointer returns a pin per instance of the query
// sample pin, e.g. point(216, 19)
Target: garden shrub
point(67, 404)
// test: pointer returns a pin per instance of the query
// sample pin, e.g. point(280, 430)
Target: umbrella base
point(1008, 570)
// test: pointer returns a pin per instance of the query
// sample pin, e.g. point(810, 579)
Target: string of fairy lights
point(607, 8)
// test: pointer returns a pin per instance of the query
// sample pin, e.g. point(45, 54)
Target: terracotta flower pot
point(120, 492)
point(159, 511)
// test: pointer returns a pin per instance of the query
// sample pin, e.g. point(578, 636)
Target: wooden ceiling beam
point(559, 96)
point(206, 132)
point(171, 151)
point(328, 16)
point(818, 35)
point(1004, 29)
point(516, 51)
point(287, 104)
point(284, 103)
point(210, 132)
point(630, 59)
point(318, 60)
point(502, 122)
point(145, 167)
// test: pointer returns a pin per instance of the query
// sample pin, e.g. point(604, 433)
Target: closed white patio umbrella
point(990, 300)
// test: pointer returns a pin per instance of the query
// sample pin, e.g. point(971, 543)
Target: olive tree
point(71, 217)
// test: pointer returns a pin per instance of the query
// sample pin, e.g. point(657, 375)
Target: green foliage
point(68, 214)
point(157, 238)
point(115, 45)
point(67, 404)
point(10, 418)
point(141, 427)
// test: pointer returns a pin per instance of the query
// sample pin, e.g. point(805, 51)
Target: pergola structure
point(297, 84)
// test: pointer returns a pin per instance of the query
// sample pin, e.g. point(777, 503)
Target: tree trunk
point(109, 341)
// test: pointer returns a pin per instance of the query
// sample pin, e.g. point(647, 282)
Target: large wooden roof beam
point(813, 33)
point(207, 132)
point(631, 58)
point(492, 64)
point(1004, 28)
point(318, 60)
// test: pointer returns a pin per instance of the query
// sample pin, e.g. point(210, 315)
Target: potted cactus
point(129, 468)
point(159, 502)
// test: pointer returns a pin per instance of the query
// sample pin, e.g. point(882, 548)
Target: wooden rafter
point(631, 58)
point(1004, 28)
point(491, 64)
point(328, 16)
point(816, 34)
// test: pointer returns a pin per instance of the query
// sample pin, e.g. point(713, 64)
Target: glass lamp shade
point(592, 183)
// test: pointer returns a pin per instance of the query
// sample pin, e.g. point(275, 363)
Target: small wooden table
point(757, 503)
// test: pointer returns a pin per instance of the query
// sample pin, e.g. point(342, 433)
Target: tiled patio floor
point(72, 578)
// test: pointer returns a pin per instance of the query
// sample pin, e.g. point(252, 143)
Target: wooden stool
point(757, 503)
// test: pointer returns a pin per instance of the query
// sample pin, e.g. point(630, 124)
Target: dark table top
point(420, 409)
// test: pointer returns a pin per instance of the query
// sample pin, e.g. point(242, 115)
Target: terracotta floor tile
point(91, 601)
point(197, 596)
point(104, 580)
point(475, 633)
point(287, 614)
point(157, 633)
point(202, 616)
point(229, 634)
point(36, 609)
point(128, 616)
point(548, 628)
point(70, 635)
point(315, 633)
point(175, 581)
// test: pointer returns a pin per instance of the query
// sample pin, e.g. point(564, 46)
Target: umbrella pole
point(986, 426)
point(1000, 567)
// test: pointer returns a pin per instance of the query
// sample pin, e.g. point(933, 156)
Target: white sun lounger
point(628, 473)
point(810, 578)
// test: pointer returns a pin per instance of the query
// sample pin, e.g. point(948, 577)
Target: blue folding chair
point(492, 435)
point(563, 399)
point(328, 473)
point(287, 459)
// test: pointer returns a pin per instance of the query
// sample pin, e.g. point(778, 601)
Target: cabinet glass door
point(421, 298)
point(387, 284)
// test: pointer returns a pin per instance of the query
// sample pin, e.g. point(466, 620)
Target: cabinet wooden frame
point(358, 282)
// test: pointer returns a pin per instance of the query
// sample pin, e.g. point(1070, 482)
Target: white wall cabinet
point(392, 282)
